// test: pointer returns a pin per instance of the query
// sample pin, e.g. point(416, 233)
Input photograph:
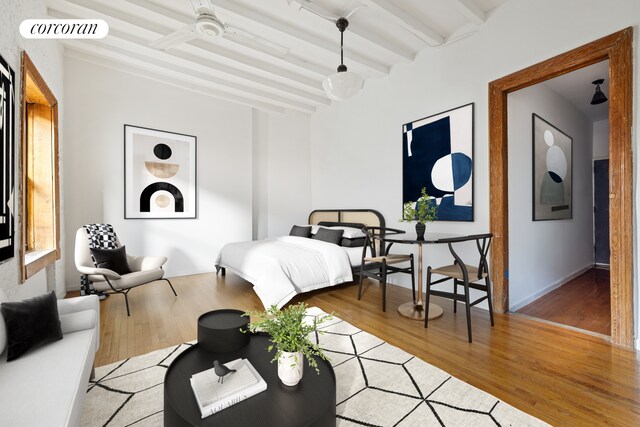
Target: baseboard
point(638, 344)
point(528, 300)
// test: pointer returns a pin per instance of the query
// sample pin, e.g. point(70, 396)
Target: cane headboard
point(368, 217)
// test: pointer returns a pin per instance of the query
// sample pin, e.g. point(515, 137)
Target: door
point(601, 210)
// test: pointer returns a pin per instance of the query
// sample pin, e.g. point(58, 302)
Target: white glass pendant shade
point(342, 85)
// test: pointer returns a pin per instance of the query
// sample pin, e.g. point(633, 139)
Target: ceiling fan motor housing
point(209, 25)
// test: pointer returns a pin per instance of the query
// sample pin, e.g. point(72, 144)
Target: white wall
point(601, 139)
point(281, 172)
point(356, 145)
point(289, 185)
point(47, 57)
point(99, 102)
point(253, 167)
point(545, 254)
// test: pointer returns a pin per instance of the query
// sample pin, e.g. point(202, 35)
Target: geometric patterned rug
point(377, 384)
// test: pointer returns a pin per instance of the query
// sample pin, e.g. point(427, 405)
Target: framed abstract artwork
point(160, 174)
point(7, 159)
point(437, 154)
point(552, 171)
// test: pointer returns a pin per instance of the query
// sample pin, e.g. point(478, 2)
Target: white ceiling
point(381, 34)
point(577, 88)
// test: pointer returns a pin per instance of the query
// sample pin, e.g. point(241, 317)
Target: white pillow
point(350, 232)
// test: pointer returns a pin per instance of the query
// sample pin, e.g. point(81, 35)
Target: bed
point(280, 268)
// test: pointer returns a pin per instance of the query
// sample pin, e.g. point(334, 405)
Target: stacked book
point(214, 395)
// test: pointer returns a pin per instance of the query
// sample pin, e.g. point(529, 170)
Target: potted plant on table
point(423, 210)
point(290, 336)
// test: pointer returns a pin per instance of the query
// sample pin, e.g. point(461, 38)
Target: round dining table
point(415, 309)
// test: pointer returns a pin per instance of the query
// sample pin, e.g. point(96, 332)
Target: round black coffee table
point(311, 403)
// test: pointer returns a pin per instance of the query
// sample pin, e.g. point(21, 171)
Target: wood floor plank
point(584, 302)
point(559, 375)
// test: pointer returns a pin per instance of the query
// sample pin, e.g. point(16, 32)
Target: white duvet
point(282, 267)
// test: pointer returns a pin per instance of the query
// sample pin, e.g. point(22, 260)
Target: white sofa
point(47, 385)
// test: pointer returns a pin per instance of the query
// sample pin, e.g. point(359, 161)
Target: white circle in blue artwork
point(451, 172)
point(557, 162)
point(548, 138)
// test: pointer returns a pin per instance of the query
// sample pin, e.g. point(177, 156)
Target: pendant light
point(598, 97)
point(343, 84)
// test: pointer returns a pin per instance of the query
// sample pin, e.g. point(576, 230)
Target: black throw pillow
point(31, 323)
point(113, 259)
point(331, 236)
point(300, 231)
point(352, 243)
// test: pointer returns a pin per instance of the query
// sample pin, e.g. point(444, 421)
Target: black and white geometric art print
point(437, 154)
point(160, 174)
point(552, 171)
point(7, 138)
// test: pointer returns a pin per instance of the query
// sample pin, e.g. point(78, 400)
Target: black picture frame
point(7, 159)
point(435, 139)
point(552, 195)
point(157, 164)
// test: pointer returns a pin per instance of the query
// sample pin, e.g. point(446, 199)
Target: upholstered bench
point(47, 385)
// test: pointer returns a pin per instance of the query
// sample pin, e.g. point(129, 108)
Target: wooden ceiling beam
point(407, 21)
point(378, 69)
point(371, 36)
point(215, 68)
point(471, 11)
point(124, 65)
point(222, 84)
point(91, 8)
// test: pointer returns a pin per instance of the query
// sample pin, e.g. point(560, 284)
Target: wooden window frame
point(29, 268)
point(617, 48)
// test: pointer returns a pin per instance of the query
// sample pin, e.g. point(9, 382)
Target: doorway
point(617, 48)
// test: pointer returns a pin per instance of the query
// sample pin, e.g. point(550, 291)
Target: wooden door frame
point(617, 48)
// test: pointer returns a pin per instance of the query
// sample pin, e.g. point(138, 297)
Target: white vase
point(290, 368)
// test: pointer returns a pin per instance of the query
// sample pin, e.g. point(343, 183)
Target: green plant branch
point(288, 330)
point(423, 210)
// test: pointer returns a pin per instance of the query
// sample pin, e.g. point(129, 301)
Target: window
point(40, 207)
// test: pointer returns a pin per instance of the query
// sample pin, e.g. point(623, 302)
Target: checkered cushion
point(101, 236)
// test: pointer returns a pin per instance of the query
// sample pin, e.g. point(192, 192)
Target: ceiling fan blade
point(355, 9)
point(253, 41)
point(182, 35)
point(320, 11)
point(201, 6)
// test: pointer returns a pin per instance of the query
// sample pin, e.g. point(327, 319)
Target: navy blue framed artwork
point(160, 174)
point(552, 171)
point(437, 154)
point(7, 138)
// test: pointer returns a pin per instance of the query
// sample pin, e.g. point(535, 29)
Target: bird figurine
point(221, 371)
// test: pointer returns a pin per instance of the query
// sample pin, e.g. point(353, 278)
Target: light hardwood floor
point(561, 376)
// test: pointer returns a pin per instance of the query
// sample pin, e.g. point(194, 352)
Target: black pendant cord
point(341, 45)
point(342, 25)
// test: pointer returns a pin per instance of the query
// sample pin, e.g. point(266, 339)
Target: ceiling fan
point(208, 25)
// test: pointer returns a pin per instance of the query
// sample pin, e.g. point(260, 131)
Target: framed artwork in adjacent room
point(552, 171)
point(7, 159)
point(159, 174)
point(437, 154)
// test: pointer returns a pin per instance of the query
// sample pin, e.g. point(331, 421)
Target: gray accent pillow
point(327, 235)
point(300, 231)
point(31, 323)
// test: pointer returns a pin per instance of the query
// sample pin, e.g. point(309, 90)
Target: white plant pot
point(290, 368)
